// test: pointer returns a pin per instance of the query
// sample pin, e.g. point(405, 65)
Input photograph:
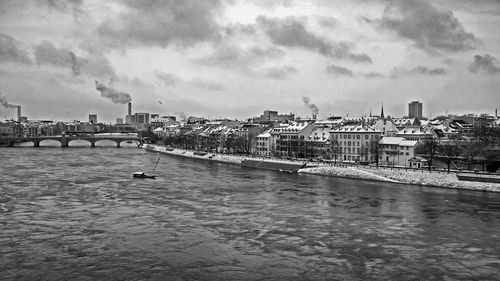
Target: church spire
point(382, 112)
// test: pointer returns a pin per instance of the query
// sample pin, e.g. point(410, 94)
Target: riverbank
point(401, 176)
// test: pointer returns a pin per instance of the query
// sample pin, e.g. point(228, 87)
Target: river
point(77, 214)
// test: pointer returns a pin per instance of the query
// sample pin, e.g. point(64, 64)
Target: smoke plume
point(5, 103)
point(110, 93)
point(311, 106)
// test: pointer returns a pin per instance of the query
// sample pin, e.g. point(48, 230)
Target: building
point(416, 134)
point(292, 142)
point(396, 151)
point(93, 118)
point(119, 120)
point(273, 116)
point(318, 142)
point(263, 145)
point(142, 118)
point(415, 109)
point(355, 143)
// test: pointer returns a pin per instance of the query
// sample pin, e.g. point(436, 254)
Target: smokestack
point(129, 108)
point(314, 116)
point(18, 113)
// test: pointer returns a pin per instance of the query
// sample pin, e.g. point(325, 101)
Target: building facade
point(355, 143)
point(396, 151)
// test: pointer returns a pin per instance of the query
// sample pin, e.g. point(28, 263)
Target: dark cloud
point(47, 53)
point(112, 94)
point(206, 85)
point(167, 78)
point(10, 50)
point(160, 23)
point(419, 70)
point(484, 64)
point(431, 29)
point(234, 56)
point(328, 22)
point(339, 70)
point(374, 75)
point(14, 7)
point(291, 32)
point(95, 65)
point(279, 72)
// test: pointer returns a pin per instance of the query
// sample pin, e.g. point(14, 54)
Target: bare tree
point(450, 151)
point(429, 149)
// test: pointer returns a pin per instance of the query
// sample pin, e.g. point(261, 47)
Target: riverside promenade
point(384, 174)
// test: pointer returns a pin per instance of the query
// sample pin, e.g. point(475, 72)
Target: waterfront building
point(264, 144)
point(292, 142)
point(396, 151)
point(355, 143)
point(318, 142)
point(119, 120)
point(415, 109)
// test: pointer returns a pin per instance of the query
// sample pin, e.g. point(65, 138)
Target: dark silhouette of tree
point(429, 149)
point(450, 151)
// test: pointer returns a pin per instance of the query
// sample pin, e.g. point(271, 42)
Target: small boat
point(142, 175)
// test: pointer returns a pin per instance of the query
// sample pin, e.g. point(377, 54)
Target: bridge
point(66, 139)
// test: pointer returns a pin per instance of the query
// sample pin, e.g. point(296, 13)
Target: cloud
point(374, 75)
point(167, 78)
point(206, 85)
point(419, 70)
point(161, 23)
point(291, 32)
point(233, 56)
point(10, 50)
point(431, 29)
point(95, 65)
point(328, 22)
point(47, 53)
point(339, 70)
point(484, 64)
point(279, 72)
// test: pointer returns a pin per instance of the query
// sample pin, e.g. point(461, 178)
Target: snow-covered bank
point(417, 177)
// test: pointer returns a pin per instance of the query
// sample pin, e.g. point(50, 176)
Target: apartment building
point(355, 143)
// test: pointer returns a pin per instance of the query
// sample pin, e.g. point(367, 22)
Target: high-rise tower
point(415, 109)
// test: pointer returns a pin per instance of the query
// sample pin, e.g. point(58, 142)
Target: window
point(366, 137)
point(358, 136)
point(349, 136)
point(407, 154)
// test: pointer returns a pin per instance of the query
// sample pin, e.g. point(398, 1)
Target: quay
point(420, 177)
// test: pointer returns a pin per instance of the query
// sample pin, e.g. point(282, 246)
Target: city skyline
point(236, 58)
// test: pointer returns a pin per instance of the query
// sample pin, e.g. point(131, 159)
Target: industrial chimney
point(129, 108)
point(18, 113)
point(314, 116)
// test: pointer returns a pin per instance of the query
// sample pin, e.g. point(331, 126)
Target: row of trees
point(469, 152)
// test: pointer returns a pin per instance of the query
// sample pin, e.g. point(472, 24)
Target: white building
point(263, 147)
point(354, 143)
point(396, 151)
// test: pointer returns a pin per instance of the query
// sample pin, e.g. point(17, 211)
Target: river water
point(77, 214)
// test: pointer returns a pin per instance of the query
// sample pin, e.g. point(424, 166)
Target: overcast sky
point(236, 58)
